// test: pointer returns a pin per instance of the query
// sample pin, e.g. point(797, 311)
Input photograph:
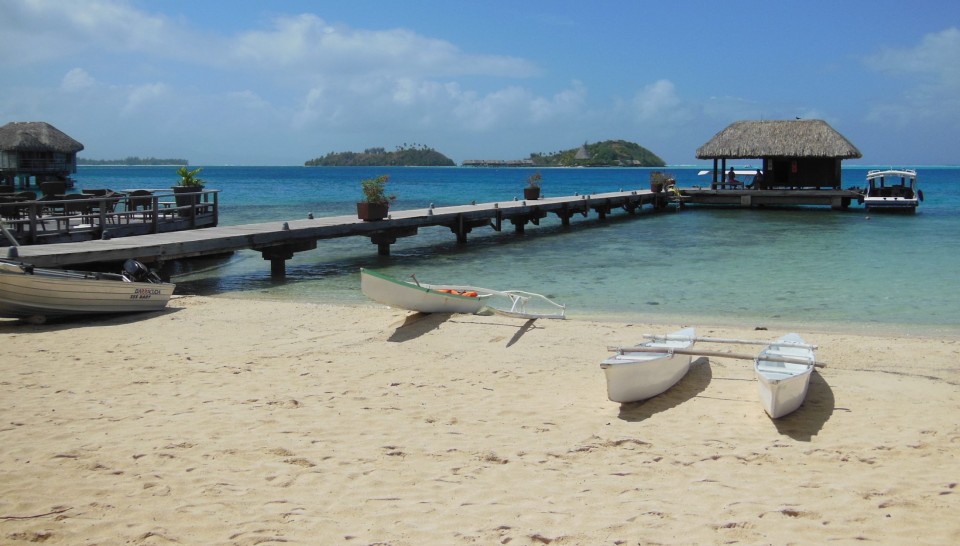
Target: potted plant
point(376, 202)
point(189, 184)
point(532, 191)
point(657, 181)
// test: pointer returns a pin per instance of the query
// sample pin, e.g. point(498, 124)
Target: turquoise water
point(726, 266)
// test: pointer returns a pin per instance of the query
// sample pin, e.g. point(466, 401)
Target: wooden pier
point(747, 198)
point(279, 241)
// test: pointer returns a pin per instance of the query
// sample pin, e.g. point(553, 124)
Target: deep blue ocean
point(746, 267)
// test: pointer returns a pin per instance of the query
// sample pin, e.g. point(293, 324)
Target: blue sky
point(277, 83)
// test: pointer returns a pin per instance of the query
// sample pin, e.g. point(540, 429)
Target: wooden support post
point(462, 230)
point(278, 260)
point(383, 242)
point(497, 223)
point(278, 256)
point(278, 268)
point(383, 239)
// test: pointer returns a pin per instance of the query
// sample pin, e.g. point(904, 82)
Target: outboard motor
point(135, 271)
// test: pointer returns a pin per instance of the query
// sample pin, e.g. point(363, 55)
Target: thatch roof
point(36, 136)
point(787, 138)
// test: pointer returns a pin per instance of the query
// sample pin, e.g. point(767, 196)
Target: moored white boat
point(437, 298)
point(893, 190)
point(36, 293)
point(783, 371)
point(637, 375)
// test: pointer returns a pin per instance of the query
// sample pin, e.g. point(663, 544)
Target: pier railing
point(79, 217)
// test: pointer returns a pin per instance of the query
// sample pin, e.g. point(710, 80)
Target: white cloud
point(658, 104)
point(932, 71)
point(144, 95)
point(77, 80)
point(44, 30)
point(312, 46)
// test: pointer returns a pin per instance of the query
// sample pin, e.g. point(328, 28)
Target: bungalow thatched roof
point(36, 136)
point(785, 138)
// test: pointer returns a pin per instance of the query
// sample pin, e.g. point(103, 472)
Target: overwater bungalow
point(40, 151)
point(794, 154)
point(36, 149)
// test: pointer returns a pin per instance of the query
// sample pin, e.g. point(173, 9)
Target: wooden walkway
point(278, 241)
point(746, 198)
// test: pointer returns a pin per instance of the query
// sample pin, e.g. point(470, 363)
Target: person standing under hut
point(757, 181)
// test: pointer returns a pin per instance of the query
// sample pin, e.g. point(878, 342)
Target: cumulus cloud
point(44, 30)
point(143, 95)
point(296, 75)
point(659, 104)
point(77, 80)
point(313, 46)
point(933, 66)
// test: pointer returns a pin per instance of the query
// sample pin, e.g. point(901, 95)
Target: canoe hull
point(636, 376)
point(52, 293)
point(411, 297)
point(782, 386)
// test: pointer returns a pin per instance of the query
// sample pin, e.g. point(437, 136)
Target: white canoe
point(450, 298)
point(423, 298)
point(634, 376)
point(33, 292)
point(783, 385)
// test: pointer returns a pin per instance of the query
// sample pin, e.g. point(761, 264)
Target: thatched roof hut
point(778, 138)
point(36, 148)
point(36, 136)
point(795, 153)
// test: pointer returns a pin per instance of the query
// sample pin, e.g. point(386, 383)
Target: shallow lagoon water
point(756, 267)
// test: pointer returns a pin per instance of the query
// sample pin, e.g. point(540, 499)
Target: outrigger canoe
point(783, 371)
point(438, 298)
point(648, 369)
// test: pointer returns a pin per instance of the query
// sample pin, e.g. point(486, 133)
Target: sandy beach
point(224, 421)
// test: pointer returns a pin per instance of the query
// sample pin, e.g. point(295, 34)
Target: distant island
point(609, 153)
point(416, 155)
point(131, 161)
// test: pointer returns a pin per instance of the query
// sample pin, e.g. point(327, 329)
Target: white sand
point(236, 422)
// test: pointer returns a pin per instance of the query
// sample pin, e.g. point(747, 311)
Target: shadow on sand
point(416, 325)
point(71, 322)
point(809, 419)
point(692, 384)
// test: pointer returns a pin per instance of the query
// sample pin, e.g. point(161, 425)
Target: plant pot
point(369, 212)
point(187, 196)
point(531, 194)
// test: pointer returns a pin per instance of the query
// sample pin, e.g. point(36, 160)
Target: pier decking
point(278, 241)
point(739, 197)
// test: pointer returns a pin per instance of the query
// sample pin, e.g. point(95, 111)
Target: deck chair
point(51, 190)
point(139, 200)
point(78, 205)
